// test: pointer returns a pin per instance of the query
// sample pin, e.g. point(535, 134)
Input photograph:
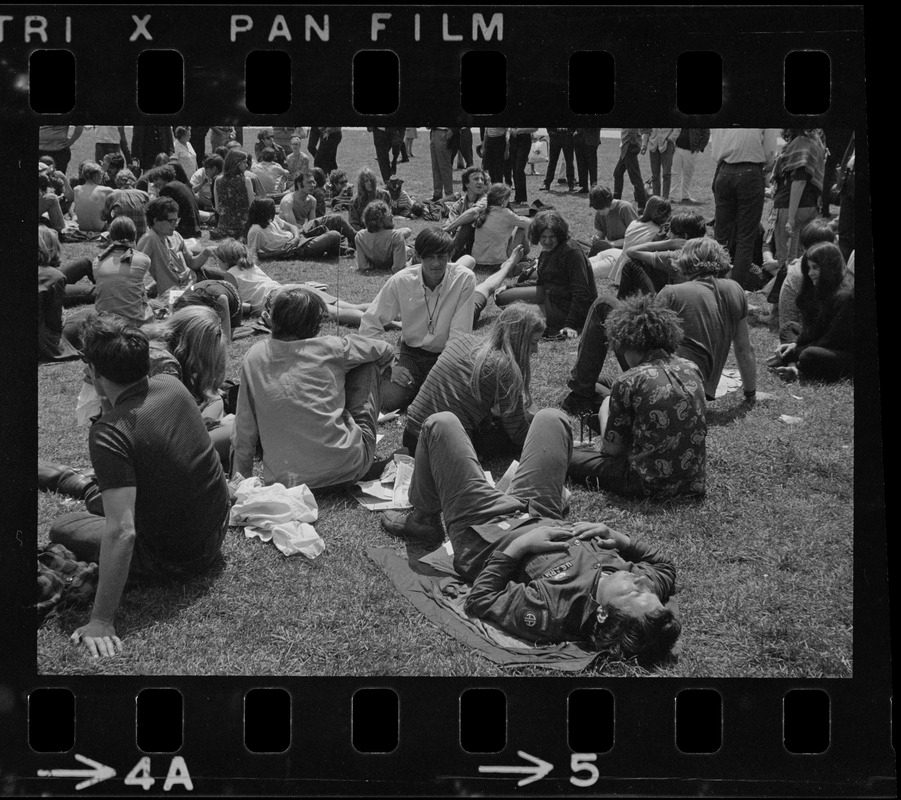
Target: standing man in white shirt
point(435, 301)
point(743, 155)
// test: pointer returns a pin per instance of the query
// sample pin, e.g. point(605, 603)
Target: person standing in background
point(54, 141)
point(689, 143)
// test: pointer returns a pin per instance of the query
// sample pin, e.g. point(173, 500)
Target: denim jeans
point(558, 142)
point(382, 140)
point(739, 194)
point(628, 162)
point(662, 161)
point(442, 163)
point(593, 345)
point(520, 144)
point(420, 363)
point(448, 477)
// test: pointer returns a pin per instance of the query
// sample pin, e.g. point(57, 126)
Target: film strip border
point(749, 65)
point(323, 736)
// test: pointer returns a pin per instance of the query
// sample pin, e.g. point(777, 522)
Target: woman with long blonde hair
point(485, 381)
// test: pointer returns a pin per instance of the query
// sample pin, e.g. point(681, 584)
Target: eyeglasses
point(173, 220)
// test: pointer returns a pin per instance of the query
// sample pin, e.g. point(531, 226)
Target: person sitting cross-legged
point(652, 425)
point(165, 497)
point(435, 301)
point(535, 576)
point(309, 402)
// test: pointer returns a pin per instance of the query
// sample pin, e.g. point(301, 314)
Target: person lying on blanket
point(535, 576)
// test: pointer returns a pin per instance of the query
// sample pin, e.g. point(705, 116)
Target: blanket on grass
point(433, 587)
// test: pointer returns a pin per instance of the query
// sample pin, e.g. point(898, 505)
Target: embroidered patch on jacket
point(530, 619)
point(554, 570)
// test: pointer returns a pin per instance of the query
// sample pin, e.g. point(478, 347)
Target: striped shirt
point(447, 388)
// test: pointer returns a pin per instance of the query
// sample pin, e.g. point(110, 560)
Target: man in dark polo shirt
point(165, 497)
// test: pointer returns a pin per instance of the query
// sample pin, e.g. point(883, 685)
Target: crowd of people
point(184, 233)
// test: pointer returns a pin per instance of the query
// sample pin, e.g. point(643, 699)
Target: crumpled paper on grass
point(280, 515)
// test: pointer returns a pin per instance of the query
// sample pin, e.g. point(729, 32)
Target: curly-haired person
point(652, 424)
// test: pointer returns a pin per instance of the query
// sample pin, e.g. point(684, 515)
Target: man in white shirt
point(435, 301)
point(743, 155)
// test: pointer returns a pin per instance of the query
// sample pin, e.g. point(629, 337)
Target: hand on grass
point(570, 333)
point(99, 637)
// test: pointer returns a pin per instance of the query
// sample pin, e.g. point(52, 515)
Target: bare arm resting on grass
point(99, 635)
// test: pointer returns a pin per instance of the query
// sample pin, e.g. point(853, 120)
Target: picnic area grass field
point(764, 563)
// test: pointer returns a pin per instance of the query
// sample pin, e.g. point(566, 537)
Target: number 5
point(584, 762)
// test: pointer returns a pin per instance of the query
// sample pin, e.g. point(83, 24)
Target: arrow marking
point(535, 772)
point(98, 772)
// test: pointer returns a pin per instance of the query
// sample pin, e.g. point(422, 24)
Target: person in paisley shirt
point(652, 425)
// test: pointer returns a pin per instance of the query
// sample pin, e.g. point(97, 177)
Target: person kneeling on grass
point(533, 575)
point(652, 425)
point(165, 496)
point(310, 402)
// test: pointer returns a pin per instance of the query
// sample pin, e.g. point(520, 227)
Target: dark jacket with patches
point(545, 597)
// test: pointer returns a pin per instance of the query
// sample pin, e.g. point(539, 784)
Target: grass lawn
point(764, 563)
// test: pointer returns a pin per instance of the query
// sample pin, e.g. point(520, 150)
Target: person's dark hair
point(336, 175)
point(299, 180)
point(687, 225)
point(600, 197)
point(497, 196)
point(468, 173)
point(180, 131)
point(161, 158)
point(267, 154)
point(551, 221)
point(377, 216)
point(122, 229)
point(214, 161)
point(233, 161)
point(656, 210)
point(641, 324)
point(43, 183)
point(116, 161)
point(165, 174)
point(221, 151)
point(318, 175)
point(48, 160)
point(433, 241)
point(261, 212)
point(367, 186)
point(297, 313)
point(649, 637)
point(159, 209)
point(116, 349)
point(833, 274)
point(817, 230)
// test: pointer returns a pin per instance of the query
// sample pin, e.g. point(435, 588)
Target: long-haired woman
point(232, 194)
point(825, 347)
point(484, 381)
